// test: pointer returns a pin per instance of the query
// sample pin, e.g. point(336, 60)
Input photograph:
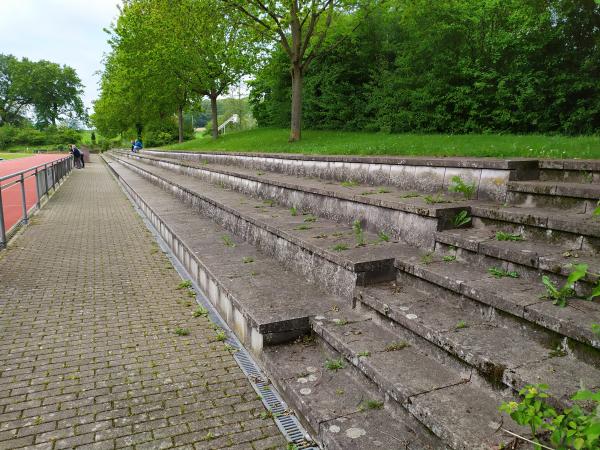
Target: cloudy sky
point(63, 31)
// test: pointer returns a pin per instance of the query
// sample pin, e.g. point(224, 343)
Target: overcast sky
point(63, 31)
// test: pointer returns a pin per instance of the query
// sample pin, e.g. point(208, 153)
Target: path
point(11, 197)
point(91, 360)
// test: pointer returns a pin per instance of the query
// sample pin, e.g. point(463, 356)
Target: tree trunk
point(180, 122)
point(138, 129)
point(297, 79)
point(214, 117)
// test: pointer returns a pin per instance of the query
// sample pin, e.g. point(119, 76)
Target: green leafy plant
point(293, 211)
point(503, 236)
point(185, 284)
point(227, 241)
point(461, 324)
point(247, 259)
point(269, 202)
point(359, 235)
point(433, 199)
point(560, 296)
point(370, 404)
point(449, 258)
point(596, 211)
point(395, 346)
point(340, 247)
point(200, 311)
point(458, 185)
point(181, 331)
point(596, 329)
point(334, 364)
point(383, 237)
point(349, 183)
point(364, 354)
point(410, 195)
point(310, 218)
point(383, 191)
point(501, 273)
point(220, 336)
point(460, 219)
point(427, 258)
point(569, 428)
point(303, 227)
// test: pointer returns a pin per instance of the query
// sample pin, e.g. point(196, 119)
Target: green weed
point(185, 284)
point(303, 227)
point(200, 311)
point(383, 191)
point(349, 183)
point(181, 331)
point(460, 325)
point(560, 296)
point(501, 273)
point(227, 241)
point(339, 247)
point(359, 235)
point(434, 199)
point(458, 185)
point(427, 258)
point(364, 354)
point(220, 336)
point(370, 404)
point(334, 364)
point(247, 259)
point(462, 218)
point(395, 346)
point(383, 237)
point(310, 218)
point(449, 258)
point(410, 195)
point(502, 236)
point(293, 211)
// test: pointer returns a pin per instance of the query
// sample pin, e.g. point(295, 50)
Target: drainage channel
point(287, 423)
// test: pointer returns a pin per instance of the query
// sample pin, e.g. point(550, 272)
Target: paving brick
point(89, 354)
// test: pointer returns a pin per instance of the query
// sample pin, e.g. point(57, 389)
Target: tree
point(300, 27)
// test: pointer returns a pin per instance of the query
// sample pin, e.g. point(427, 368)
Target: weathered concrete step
point(518, 297)
point(545, 220)
point(528, 256)
point(423, 174)
point(463, 414)
point(576, 197)
point(570, 170)
point(342, 408)
point(500, 348)
point(404, 215)
point(302, 242)
point(263, 303)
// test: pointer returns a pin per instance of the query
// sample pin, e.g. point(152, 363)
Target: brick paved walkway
point(88, 353)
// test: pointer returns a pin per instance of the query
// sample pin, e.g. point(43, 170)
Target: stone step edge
point(245, 326)
point(494, 250)
point(363, 365)
point(556, 189)
point(338, 278)
point(582, 335)
point(446, 212)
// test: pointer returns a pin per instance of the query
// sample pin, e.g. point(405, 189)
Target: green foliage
point(26, 136)
point(220, 335)
point(359, 235)
point(458, 185)
point(350, 183)
point(427, 258)
point(370, 404)
point(310, 218)
point(462, 218)
point(200, 311)
point(186, 284)
point(596, 329)
point(364, 354)
point(449, 258)
point(340, 247)
point(503, 236)
point(395, 346)
point(293, 211)
point(501, 273)
point(227, 241)
point(560, 296)
point(334, 364)
point(461, 324)
point(179, 331)
point(569, 428)
point(383, 237)
point(247, 259)
point(433, 199)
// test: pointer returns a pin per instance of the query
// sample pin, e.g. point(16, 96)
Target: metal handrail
point(53, 172)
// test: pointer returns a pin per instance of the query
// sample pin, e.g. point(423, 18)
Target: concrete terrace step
point(332, 403)
point(581, 197)
point(260, 300)
point(402, 214)
point(490, 175)
point(302, 242)
point(519, 297)
point(446, 400)
point(486, 341)
point(543, 220)
point(531, 256)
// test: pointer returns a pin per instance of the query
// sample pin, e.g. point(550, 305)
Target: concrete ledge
point(427, 174)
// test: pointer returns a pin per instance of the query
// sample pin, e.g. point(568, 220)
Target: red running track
point(11, 196)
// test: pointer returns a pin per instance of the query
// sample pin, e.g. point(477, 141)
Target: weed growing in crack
point(427, 258)
point(227, 241)
point(303, 227)
point(293, 211)
point(334, 364)
point(349, 183)
point(383, 237)
point(449, 258)
point(458, 185)
point(462, 218)
point(220, 336)
point(181, 331)
point(501, 273)
point(460, 325)
point(247, 259)
point(434, 199)
point(395, 346)
point(503, 236)
point(370, 404)
point(560, 296)
point(340, 247)
point(186, 284)
point(359, 235)
point(310, 218)
point(200, 311)
point(364, 354)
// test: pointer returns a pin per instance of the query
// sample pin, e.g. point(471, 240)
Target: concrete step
point(342, 408)
point(261, 301)
point(325, 252)
point(519, 297)
point(417, 173)
point(554, 223)
point(570, 170)
point(401, 214)
point(485, 339)
point(529, 257)
point(461, 412)
point(577, 197)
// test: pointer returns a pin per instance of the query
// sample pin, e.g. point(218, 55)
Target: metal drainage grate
point(287, 423)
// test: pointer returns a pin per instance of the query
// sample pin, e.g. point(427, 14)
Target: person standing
point(78, 157)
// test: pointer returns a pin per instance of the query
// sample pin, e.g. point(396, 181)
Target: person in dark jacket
point(78, 156)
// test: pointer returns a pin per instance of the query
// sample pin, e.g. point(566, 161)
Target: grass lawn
point(360, 143)
point(13, 155)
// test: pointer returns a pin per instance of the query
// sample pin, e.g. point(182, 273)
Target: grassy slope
point(356, 143)
point(13, 155)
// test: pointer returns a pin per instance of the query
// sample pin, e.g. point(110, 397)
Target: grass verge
point(360, 143)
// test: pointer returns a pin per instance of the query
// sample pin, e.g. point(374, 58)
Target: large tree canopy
point(47, 90)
